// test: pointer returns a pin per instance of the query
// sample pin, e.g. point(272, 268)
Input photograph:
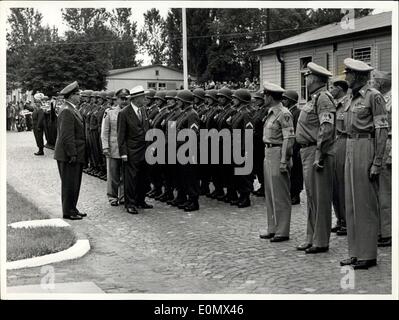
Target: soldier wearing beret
point(339, 91)
point(70, 151)
point(315, 133)
point(367, 128)
point(279, 137)
point(109, 139)
point(132, 126)
point(382, 82)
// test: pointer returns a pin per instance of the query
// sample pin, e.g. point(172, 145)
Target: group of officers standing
point(335, 145)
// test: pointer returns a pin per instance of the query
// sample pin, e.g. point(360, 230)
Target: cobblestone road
point(165, 250)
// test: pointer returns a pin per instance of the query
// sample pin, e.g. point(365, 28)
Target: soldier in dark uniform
point(223, 121)
point(85, 112)
point(202, 109)
point(382, 82)
point(94, 136)
point(290, 101)
point(162, 176)
point(316, 134)
point(259, 148)
point(339, 91)
point(207, 121)
point(242, 120)
point(367, 128)
point(189, 184)
point(100, 116)
point(279, 137)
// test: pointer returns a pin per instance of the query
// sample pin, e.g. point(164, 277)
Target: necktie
point(139, 115)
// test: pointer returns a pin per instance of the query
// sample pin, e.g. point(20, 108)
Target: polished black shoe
point(295, 200)
point(132, 210)
point(266, 235)
point(304, 246)
point(336, 228)
point(279, 239)
point(144, 205)
point(73, 217)
point(235, 202)
point(167, 197)
point(192, 207)
point(385, 242)
point(156, 194)
point(312, 250)
point(114, 203)
point(176, 202)
point(39, 153)
point(215, 194)
point(342, 231)
point(150, 193)
point(244, 203)
point(364, 264)
point(348, 262)
point(204, 191)
point(81, 214)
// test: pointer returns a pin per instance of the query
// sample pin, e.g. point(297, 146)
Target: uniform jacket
point(109, 134)
point(131, 134)
point(70, 135)
point(38, 118)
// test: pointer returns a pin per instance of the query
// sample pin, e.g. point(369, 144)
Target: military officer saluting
point(315, 133)
point(367, 128)
point(279, 138)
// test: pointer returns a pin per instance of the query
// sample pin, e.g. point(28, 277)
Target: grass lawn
point(32, 242)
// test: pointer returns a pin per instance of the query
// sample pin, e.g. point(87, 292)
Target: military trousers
point(114, 179)
point(38, 132)
point(361, 200)
point(259, 157)
point(385, 201)
point(339, 181)
point(296, 174)
point(277, 194)
point(71, 178)
point(318, 186)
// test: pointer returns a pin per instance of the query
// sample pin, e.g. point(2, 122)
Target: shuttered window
point(362, 54)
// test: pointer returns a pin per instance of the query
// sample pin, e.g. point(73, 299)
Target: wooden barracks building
point(284, 62)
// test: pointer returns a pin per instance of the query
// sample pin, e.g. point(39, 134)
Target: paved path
point(165, 250)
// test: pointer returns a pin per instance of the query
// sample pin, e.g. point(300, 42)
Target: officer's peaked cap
point(122, 93)
point(357, 65)
point(318, 70)
point(70, 88)
point(271, 87)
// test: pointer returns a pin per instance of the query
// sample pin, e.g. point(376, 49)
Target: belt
point(308, 145)
point(342, 135)
point(271, 145)
point(360, 135)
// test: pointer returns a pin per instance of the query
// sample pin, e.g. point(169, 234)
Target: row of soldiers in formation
point(338, 140)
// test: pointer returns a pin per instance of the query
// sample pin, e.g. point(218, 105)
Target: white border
point(389, 5)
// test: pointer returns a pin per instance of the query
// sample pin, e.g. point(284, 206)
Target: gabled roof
point(124, 70)
point(333, 30)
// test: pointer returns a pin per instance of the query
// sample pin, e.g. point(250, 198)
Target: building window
point(152, 85)
point(303, 69)
point(162, 86)
point(157, 72)
point(362, 54)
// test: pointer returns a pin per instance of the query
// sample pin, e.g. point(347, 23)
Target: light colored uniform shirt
point(279, 125)
point(109, 133)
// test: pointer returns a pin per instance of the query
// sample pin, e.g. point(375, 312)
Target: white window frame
point(301, 74)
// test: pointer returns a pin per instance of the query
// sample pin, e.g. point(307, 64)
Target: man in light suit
point(70, 151)
point(132, 127)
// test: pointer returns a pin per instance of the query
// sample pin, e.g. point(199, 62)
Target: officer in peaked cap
point(367, 129)
point(261, 109)
point(70, 151)
point(132, 127)
point(109, 137)
point(338, 90)
point(279, 137)
point(189, 186)
point(290, 101)
point(316, 134)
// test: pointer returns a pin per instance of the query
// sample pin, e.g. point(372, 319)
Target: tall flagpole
point(185, 70)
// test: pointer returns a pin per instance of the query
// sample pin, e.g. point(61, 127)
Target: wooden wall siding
point(271, 69)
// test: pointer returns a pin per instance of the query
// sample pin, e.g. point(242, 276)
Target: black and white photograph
point(170, 149)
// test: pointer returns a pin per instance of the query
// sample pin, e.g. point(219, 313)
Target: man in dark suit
point(38, 123)
point(132, 127)
point(70, 151)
